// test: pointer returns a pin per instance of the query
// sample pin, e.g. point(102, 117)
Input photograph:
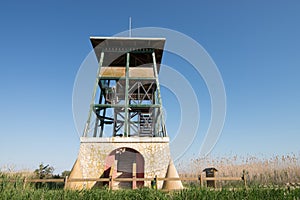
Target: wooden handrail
point(127, 179)
point(110, 179)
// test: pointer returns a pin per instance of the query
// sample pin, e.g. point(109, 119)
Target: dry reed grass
point(261, 170)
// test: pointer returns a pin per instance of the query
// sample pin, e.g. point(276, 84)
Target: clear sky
point(255, 44)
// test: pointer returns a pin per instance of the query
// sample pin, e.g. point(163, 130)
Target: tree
point(44, 171)
point(65, 173)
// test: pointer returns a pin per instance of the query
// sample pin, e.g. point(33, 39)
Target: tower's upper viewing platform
point(140, 49)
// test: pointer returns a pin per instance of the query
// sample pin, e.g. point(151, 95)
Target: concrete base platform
point(120, 157)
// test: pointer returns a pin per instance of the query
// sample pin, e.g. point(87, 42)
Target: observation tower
point(125, 135)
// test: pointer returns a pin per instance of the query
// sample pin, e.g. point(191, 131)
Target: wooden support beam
point(87, 125)
point(134, 176)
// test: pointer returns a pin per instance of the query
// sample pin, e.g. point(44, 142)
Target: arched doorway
point(123, 161)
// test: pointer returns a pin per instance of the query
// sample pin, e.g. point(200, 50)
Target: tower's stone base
point(119, 157)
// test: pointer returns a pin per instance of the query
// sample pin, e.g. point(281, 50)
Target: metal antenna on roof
point(129, 26)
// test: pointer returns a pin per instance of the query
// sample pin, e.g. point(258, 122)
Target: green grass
point(14, 192)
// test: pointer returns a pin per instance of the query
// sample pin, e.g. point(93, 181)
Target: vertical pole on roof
point(129, 26)
point(126, 124)
point(87, 125)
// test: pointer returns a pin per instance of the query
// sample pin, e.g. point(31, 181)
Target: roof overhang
point(140, 49)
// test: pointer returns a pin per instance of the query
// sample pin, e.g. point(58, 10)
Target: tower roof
point(140, 50)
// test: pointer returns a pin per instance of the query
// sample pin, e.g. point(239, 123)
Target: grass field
point(14, 190)
point(9, 193)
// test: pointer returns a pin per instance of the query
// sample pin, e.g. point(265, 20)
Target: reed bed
point(260, 170)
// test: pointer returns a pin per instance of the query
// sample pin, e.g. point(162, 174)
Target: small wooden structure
point(210, 172)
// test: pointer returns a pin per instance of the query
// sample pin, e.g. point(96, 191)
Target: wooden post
point(244, 178)
point(200, 180)
point(24, 183)
point(134, 176)
point(110, 183)
point(215, 183)
point(155, 182)
point(66, 182)
point(111, 173)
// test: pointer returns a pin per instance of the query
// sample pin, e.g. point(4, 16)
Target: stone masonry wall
point(93, 152)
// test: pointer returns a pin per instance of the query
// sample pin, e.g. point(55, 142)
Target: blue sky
point(255, 44)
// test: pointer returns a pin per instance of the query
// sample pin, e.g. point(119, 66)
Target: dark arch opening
point(119, 163)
